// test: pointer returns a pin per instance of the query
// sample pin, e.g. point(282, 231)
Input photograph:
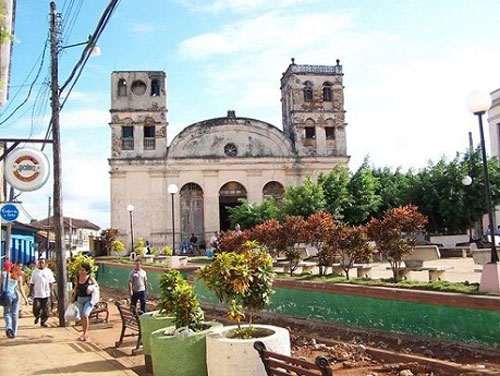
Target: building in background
point(22, 242)
point(216, 162)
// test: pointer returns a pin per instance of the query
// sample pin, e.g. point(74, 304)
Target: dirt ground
point(350, 352)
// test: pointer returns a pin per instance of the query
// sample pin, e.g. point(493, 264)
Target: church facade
point(215, 162)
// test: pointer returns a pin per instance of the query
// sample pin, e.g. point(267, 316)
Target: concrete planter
point(180, 356)
point(231, 356)
point(151, 322)
point(161, 259)
point(176, 262)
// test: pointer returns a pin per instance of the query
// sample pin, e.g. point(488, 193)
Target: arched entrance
point(229, 194)
point(273, 190)
point(192, 212)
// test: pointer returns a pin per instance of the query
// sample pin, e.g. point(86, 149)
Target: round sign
point(26, 169)
point(9, 212)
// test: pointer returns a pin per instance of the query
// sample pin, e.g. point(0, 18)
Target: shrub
point(167, 251)
point(153, 250)
point(118, 246)
point(74, 265)
point(140, 249)
point(233, 242)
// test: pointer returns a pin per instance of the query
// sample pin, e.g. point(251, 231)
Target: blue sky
point(408, 66)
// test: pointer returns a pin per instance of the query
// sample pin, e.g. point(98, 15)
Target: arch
point(192, 207)
point(327, 91)
point(273, 190)
point(229, 197)
point(308, 91)
point(122, 87)
point(155, 88)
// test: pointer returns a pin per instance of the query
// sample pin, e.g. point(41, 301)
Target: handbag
point(5, 296)
point(71, 313)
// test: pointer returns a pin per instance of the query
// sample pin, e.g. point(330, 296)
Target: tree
point(364, 198)
point(248, 215)
point(293, 232)
point(393, 188)
point(353, 246)
point(320, 226)
point(233, 242)
point(304, 199)
point(393, 234)
point(108, 237)
point(335, 187)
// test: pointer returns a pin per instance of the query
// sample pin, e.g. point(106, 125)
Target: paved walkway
point(53, 351)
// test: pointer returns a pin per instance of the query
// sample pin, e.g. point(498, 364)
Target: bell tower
point(138, 114)
point(312, 99)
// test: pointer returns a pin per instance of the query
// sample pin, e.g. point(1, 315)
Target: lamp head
point(130, 208)
point(173, 189)
point(467, 180)
point(478, 102)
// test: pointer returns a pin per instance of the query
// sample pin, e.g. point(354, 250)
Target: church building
point(214, 163)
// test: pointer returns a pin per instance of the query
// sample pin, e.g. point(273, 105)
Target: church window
point(310, 132)
point(128, 138)
point(327, 92)
point(122, 88)
point(308, 91)
point(330, 133)
point(273, 190)
point(155, 88)
point(231, 150)
point(138, 87)
point(149, 137)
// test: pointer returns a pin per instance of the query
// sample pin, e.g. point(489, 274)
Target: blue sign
point(9, 212)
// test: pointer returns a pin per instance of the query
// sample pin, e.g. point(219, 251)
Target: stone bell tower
point(312, 98)
point(138, 114)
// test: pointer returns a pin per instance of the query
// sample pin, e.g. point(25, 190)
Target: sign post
point(9, 212)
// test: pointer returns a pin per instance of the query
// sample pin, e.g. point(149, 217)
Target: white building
point(215, 162)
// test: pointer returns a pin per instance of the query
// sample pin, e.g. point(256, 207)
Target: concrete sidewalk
point(53, 351)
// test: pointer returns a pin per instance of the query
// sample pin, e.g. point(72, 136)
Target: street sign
point(26, 169)
point(9, 212)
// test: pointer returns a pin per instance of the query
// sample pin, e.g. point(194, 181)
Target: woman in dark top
point(82, 296)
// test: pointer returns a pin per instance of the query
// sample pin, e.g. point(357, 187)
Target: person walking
point(137, 286)
point(12, 283)
point(82, 294)
point(41, 282)
point(7, 265)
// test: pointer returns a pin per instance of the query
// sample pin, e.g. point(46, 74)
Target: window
point(231, 150)
point(330, 133)
point(122, 88)
point(155, 88)
point(128, 138)
point(149, 137)
point(308, 91)
point(273, 190)
point(138, 87)
point(327, 92)
point(310, 132)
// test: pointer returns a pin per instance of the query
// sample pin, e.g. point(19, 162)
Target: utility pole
point(62, 296)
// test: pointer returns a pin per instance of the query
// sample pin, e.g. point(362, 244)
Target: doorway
point(229, 196)
point(192, 212)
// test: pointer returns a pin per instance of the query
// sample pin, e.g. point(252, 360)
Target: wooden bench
point(362, 270)
point(100, 308)
point(130, 320)
point(435, 272)
point(283, 365)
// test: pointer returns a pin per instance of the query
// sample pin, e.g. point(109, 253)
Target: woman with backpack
point(12, 287)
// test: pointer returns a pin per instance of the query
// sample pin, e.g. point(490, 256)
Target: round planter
point(150, 322)
point(180, 356)
point(230, 356)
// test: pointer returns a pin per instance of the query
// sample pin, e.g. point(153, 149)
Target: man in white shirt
point(41, 282)
point(137, 286)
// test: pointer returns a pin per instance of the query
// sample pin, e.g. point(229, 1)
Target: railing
point(127, 144)
point(149, 143)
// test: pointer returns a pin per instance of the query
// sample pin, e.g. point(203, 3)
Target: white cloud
point(239, 6)
point(144, 28)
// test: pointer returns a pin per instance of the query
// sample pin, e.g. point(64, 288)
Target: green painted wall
point(463, 325)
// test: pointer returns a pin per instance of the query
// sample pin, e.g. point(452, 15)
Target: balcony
point(127, 143)
point(149, 143)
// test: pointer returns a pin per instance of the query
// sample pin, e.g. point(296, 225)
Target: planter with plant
point(181, 349)
point(140, 251)
point(244, 282)
point(118, 248)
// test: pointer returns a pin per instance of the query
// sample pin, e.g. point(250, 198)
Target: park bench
point(282, 365)
point(414, 262)
point(130, 320)
point(362, 270)
point(481, 256)
point(435, 272)
point(100, 308)
point(306, 266)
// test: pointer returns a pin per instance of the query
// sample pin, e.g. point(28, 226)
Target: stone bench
point(306, 266)
point(420, 254)
point(362, 270)
point(435, 272)
point(481, 256)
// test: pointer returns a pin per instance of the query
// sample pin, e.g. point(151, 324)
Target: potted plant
point(181, 349)
point(244, 282)
point(162, 255)
point(174, 262)
point(140, 250)
point(118, 248)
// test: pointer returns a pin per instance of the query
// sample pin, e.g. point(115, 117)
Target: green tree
point(248, 215)
point(336, 191)
point(364, 200)
point(393, 188)
point(304, 199)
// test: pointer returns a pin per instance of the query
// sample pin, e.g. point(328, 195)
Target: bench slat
point(308, 370)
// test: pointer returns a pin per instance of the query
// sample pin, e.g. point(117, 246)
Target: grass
point(441, 286)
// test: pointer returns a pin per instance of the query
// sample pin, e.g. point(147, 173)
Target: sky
point(408, 67)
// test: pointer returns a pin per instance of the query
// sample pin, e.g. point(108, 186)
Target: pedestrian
point(214, 242)
point(7, 265)
point(83, 295)
point(237, 229)
point(41, 282)
point(137, 286)
point(194, 244)
point(12, 283)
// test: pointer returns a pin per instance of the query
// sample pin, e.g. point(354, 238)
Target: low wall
point(449, 317)
point(449, 241)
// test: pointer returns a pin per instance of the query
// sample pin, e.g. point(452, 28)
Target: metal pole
point(173, 225)
point(494, 255)
point(131, 229)
point(62, 298)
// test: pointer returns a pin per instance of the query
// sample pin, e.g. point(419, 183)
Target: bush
point(75, 264)
point(167, 251)
point(118, 246)
point(140, 249)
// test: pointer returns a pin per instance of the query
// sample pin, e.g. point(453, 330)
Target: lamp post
point(467, 181)
point(130, 209)
point(478, 103)
point(173, 189)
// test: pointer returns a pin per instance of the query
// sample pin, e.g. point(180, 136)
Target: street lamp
point(467, 181)
point(478, 103)
point(173, 189)
point(130, 209)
